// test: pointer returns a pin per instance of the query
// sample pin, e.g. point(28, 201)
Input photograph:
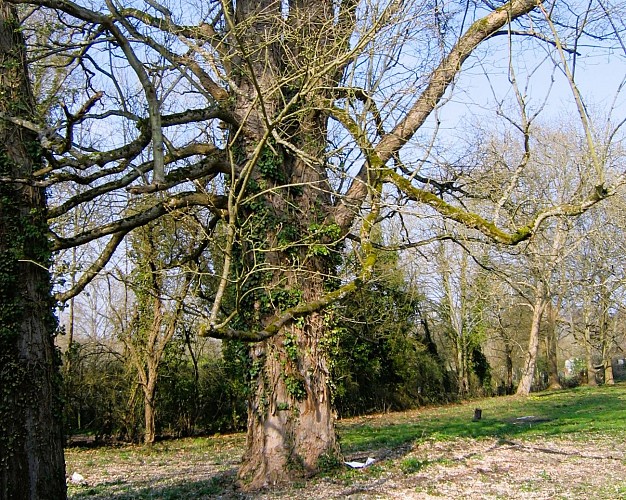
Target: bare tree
point(543, 265)
point(159, 297)
point(462, 304)
point(595, 296)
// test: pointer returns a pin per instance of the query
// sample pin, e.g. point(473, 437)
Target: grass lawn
point(573, 441)
point(572, 413)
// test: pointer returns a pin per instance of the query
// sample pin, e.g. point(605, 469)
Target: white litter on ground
point(361, 465)
point(77, 478)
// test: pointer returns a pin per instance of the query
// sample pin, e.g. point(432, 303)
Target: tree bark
point(605, 337)
point(552, 347)
point(530, 361)
point(32, 465)
point(508, 360)
point(291, 425)
point(290, 420)
point(591, 368)
point(149, 392)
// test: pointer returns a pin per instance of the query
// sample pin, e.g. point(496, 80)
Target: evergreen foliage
point(382, 356)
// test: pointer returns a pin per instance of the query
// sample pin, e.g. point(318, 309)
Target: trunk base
point(291, 425)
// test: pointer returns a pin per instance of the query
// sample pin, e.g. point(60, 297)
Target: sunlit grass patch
point(599, 410)
point(408, 447)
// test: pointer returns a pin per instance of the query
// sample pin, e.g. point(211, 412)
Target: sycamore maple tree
point(283, 129)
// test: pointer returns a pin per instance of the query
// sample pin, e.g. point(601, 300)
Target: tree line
point(398, 343)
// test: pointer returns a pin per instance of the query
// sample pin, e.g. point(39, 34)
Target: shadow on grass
point(557, 413)
point(221, 485)
point(579, 413)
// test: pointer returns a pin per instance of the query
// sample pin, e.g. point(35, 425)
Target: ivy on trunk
point(31, 441)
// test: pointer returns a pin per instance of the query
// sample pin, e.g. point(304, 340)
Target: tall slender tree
point(158, 308)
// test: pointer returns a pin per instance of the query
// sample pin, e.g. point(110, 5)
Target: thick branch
point(176, 202)
point(489, 229)
point(277, 322)
point(444, 75)
point(94, 269)
point(203, 168)
point(82, 161)
point(440, 80)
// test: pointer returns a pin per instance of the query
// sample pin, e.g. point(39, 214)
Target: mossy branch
point(489, 229)
point(439, 82)
point(275, 323)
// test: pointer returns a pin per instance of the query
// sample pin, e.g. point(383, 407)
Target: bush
point(103, 398)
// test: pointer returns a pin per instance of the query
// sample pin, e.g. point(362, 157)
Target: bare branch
point(175, 202)
point(94, 268)
point(154, 107)
point(439, 82)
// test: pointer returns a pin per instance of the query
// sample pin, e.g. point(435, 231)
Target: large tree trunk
point(290, 420)
point(31, 442)
point(530, 361)
point(291, 430)
point(283, 231)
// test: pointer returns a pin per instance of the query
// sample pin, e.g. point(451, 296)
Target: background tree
point(553, 169)
point(593, 305)
point(158, 309)
point(552, 345)
point(462, 317)
point(542, 291)
point(382, 357)
point(510, 321)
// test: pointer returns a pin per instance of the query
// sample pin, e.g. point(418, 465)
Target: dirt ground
point(489, 468)
point(579, 467)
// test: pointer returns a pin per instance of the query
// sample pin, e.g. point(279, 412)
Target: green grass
point(573, 413)
point(580, 414)
point(101, 468)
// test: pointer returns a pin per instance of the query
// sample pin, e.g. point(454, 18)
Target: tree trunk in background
point(605, 338)
point(31, 441)
point(591, 369)
point(530, 362)
point(152, 352)
point(509, 367)
point(149, 392)
point(552, 347)
point(608, 373)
